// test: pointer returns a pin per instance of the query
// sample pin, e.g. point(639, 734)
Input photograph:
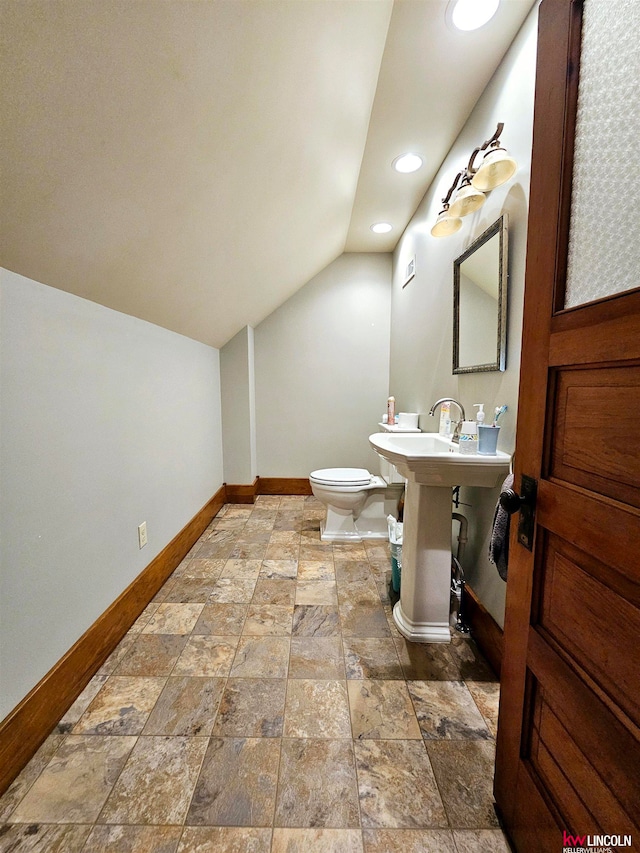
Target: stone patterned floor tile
point(408, 841)
point(363, 620)
point(472, 666)
point(352, 571)
point(121, 707)
point(446, 710)
point(481, 841)
point(121, 650)
point(464, 770)
point(172, 618)
point(152, 654)
point(349, 551)
point(382, 710)
point(242, 568)
point(316, 570)
point(224, 839)
point(317, 786)
point(237, 783)
point(157, 782)
point(206, 655)
point(359, 592)
point(486, 695)
point(261, 657)
point(186, 707)
point(202, 568)
point(316, 551)
point(316, 592)
point(268, 620)
point(75, 784)
point(281, 551)
point(232, 591)
point(315, 620)
point(249, 551)
point(81, 704)
point(25, 779)
point(274, 592)
point(191, 590)
point(43, 838)
point(426, 661)
point(144, 617)
point(251, 707)
point(372, 657)
point(221, 619)
point(317, 709)
point(284, 537)
point(317, 841)
point(133, 839)
point(316, 657)
point(397, 786)
point(279, 569)
point(265, 701)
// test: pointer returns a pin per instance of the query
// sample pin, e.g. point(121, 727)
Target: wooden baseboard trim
point(241, 494)
point(29, 724)
point(484, 629)
point(284, 486)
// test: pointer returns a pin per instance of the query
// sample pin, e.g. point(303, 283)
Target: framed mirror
point(480, 303)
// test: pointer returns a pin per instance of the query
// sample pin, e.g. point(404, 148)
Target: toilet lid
point(342, 476)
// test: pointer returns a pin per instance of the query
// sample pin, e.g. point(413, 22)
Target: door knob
point(525, 504)
point(511, 501)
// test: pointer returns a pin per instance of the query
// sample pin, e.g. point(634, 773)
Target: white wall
point(105, 421)
point(421, 315)
point(237, 384)
point(322, 370)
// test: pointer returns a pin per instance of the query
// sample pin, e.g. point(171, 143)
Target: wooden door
point(568, 749)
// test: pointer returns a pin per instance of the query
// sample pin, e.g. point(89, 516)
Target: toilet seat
point(342, 476)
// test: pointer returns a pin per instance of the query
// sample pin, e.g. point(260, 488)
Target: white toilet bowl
point(357, 502)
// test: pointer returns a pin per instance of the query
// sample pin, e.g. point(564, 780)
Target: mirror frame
point(499, 227)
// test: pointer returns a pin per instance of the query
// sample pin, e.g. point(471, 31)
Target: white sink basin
point(430, 459)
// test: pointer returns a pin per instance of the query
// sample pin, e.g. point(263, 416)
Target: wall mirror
point(480, 303)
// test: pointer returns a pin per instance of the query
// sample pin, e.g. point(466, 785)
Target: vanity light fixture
point(381, 228)
point(407, 163)
point(472, 183)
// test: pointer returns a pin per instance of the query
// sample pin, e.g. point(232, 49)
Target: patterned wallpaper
point(604, 243)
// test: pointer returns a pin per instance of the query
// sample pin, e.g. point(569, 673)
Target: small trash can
point(396, 565)
point(395, 546)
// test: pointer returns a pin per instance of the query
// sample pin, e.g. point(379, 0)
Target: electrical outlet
point(142, 534)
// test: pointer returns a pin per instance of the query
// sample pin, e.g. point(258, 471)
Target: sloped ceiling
point(195, 162)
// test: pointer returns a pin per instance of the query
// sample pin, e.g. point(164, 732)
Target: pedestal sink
point(432, 465)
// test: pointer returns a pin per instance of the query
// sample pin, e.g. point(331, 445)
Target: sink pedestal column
point(422, 614)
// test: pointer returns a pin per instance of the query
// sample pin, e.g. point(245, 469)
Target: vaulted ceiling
point(195, 162)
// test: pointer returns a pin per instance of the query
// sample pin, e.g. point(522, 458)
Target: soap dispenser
point(480, 413)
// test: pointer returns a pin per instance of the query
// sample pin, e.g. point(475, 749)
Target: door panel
point(568, 747)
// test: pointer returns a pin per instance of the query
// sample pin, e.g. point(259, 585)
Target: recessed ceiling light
point(472, 14)
point(407, 163)
point(381, 227)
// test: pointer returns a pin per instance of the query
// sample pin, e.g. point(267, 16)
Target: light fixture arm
point(445, 200)
point(494, 140)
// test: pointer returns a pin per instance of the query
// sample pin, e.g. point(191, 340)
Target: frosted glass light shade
point(467, 200)
point(497, 167)
point(445, 224)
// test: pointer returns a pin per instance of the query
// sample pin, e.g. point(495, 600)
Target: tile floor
point(265, 702)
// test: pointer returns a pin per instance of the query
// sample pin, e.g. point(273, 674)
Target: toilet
point(357, 501)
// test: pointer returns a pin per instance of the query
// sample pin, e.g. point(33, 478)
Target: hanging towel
point(499, 543)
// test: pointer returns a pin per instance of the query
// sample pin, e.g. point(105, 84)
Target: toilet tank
point(389, 472)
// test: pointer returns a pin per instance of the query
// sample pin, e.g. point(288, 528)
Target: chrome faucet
point(456, 432)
